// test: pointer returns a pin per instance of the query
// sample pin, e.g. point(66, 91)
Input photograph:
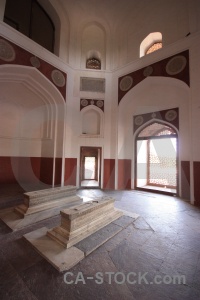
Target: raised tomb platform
point(81, 221)
point(41, 205)
point(83, 228)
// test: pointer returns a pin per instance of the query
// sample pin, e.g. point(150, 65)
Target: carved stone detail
point(58, 78)
point(7, 52)
point(126, 83)
point(35, 61)
point(176, 64)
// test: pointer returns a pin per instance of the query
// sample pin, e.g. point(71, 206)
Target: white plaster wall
point(171, 18)
point(22, 131)
point(123, 25)
point(123, 35)
point(73, 133)
point(195, 99)
point(32, 114)
point(151, 95)
point(93, 41)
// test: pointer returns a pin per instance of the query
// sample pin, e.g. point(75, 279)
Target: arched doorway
point(156, 159)
point(90, 171)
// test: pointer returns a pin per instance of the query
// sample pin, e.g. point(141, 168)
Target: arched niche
point(33, 112)
point(150, 39)
point(93, 43)
point(92, 122)
point(156, 157)
point(151, 95)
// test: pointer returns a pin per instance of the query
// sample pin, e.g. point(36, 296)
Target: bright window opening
point(154, 47)
point(89, 169)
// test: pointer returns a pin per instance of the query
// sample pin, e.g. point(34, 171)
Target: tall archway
point(32, 144)
point(156, 158)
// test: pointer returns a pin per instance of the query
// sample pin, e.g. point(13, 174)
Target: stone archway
point(32, 146)
point(156, 158)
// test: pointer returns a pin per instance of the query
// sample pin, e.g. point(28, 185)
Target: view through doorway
point(90, 171)
point(156, 159)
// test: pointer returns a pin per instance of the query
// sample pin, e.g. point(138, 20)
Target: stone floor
point(89, 183)
point(164, 240)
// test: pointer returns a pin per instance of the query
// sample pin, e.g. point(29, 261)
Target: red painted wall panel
point(6, 171)
point(29, 170)
point(23, 58)
point(109, 174)
point(70, 171)
point(185, 179)
point(58, 171)
point(16, 169)
point(124, 174)
point(46, 170)
point(196, 170)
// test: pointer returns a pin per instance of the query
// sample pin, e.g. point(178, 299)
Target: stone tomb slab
point(83, 220)
point(59, 257)
point(41, 205)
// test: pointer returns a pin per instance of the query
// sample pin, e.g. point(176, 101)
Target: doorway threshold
point(156, 189)
point(90, 184)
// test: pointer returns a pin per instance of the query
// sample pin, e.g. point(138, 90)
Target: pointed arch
point(156, 157)
point(92, 121)
point(42, 108)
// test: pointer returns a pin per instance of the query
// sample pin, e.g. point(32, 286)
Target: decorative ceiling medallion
point(58, 78)
point(153, 115)
point(7, 52)
point(176, 64)
point(170, 115)
point(126, 83)
point(148, 71)
point(35, 61)
point(84, 102)
point(139, 120)
point(99, 103)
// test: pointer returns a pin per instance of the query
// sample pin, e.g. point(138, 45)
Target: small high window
point(151, 43)
point(93, 63)
point(154, 47)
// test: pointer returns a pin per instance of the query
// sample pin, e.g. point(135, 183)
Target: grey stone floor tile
point(140, 223)
point(16, 290)
point(120, 237)
point(123, 221)
point(20, 255)
point(96, 239)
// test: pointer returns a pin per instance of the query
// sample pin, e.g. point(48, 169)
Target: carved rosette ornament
point(99, 103)
point(171, 115)
point(126, 83)
point(84, 102)
point(35, 62)
point(139, 120)
point(7, 52)
point(58, 78)
point(148, 71)
point(176, 65)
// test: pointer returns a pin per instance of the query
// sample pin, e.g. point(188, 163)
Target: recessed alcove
point(91, 122)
